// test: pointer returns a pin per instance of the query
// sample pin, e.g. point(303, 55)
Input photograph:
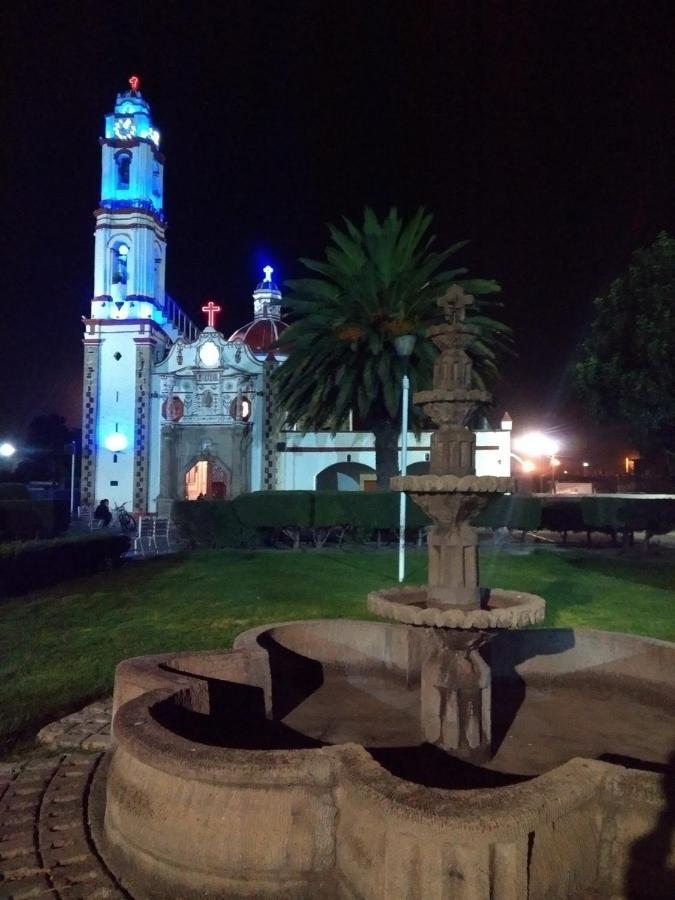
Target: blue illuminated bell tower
point(132, 321)
point(130, 249)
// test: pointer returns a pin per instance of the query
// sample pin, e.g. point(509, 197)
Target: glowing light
point(209, 354)
point(585, 465)
point(116, 442)
point(125, 128)
point(536, 444)
point(268, 270)
point(122, 250)
point(7, 449)
point(554, 462)
point(211, 309)
point(528, 466)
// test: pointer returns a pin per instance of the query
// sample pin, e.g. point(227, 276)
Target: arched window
point(157, 266)
point(240, 408)
point(123, 164)
point(156, 180)
point(120, 260)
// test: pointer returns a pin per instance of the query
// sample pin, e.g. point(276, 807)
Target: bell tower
point(130, 240)
point(132, 320)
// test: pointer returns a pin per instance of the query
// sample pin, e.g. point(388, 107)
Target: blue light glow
point(116, 442)
point(268, 270)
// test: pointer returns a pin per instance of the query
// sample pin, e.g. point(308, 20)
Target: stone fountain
point(456, 707)
point(354, 759)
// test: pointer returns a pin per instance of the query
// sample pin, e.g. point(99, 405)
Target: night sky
point(542, 131)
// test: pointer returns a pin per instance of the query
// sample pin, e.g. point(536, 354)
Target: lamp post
point(404, 344)
point(537, 444)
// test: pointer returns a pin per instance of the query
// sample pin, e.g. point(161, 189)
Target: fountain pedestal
point(455, 680)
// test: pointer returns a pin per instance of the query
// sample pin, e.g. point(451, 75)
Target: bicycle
point(125, 519)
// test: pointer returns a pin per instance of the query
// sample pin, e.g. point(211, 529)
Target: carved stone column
point(167, 470)
point(455, 698)
point(92, 348)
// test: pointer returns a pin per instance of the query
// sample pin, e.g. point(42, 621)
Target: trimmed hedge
point(24, 520)
point(14, 490)
point(212, 523)
point(520, 512)
point(262, 516)
point(27, 565)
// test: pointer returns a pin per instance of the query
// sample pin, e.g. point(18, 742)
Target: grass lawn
point(59, 647)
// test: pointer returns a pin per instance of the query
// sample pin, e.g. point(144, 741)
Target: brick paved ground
point(45, 846)
point(88, 729)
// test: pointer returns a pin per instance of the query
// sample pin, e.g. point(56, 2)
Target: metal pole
point(72, 478)
point(404, 466)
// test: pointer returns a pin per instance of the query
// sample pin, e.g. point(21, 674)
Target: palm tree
point(376, 283)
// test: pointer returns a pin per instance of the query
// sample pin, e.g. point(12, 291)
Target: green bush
point(628, 514)
point(27, 565)
point(276, 509)
point(212, 523)
point(520, 512)
point(12, 490)
point(23, 520)
point(562, 515)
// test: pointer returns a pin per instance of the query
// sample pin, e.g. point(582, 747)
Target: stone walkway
point(45, 845)
point(88, 729)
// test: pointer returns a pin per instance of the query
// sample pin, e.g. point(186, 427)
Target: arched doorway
point(207, 478)
point(418, 468)
point(346, 477)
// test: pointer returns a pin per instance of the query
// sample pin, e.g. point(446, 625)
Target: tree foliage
point(376, 282)
point(626, 372)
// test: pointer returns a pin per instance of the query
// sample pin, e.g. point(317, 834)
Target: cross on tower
point(211, 309)
point(268, 272)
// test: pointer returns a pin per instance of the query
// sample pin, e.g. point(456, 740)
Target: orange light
point(528, 465)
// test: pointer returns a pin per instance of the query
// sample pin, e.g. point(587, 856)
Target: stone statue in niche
point(207, 399)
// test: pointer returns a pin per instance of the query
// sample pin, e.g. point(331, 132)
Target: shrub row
point(22, 520)
point(607, 514)
point(27, 565)
point(252, 519)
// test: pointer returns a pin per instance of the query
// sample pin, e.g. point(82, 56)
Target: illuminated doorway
point(208, 479)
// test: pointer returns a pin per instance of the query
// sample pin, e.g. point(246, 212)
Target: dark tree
point(47, 437)
point(626, 372)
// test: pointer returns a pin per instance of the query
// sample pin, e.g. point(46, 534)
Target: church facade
point(172, 411)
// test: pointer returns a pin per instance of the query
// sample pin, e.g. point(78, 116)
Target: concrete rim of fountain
point(504, 609)
point(451, 484)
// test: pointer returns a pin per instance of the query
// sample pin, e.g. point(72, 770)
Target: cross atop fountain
point(454, 302)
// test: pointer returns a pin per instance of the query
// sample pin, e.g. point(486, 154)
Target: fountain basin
point(503, 609)
point(240, 774)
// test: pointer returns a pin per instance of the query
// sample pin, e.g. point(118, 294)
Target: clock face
point(125, 128)
point(209, 354)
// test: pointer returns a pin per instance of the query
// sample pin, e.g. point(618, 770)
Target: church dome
point(266, 327)
point(260, 334)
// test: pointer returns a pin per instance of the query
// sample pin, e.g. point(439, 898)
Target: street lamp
point(7, 450)
point(405, 344)
point(537, 444)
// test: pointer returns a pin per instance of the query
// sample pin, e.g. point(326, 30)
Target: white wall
point(308, 454)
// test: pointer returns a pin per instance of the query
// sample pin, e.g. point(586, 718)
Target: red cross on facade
point(211, 309)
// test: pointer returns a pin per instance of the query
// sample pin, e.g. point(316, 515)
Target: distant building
point(171, 411)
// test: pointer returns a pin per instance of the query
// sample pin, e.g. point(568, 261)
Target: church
point(172, 411)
